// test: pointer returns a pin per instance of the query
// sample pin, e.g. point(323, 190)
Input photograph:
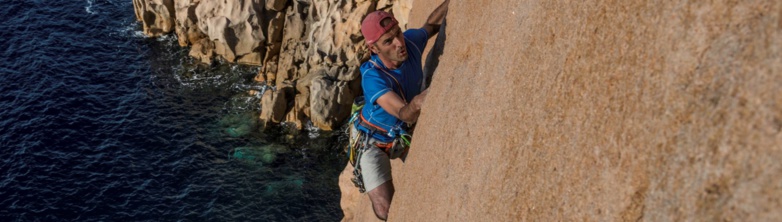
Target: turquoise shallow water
point(99, 123)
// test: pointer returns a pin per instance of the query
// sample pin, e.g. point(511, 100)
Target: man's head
point(384, 37)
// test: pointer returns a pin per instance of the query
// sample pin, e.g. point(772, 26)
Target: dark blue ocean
point(99, 123)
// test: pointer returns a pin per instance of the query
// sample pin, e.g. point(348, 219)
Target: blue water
point(98, 123)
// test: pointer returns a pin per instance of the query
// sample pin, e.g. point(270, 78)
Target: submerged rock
point(262, 154)
point(239, 125)
point(286, 185)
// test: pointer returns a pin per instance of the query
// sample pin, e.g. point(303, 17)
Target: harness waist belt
point(383, 146)
point(379, 144)
point(366, 124)
point(370, 127)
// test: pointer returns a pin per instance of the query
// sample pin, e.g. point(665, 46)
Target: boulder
point(186, 26)
point(203, 51)
point(302, 99)
point(330, 101)
point(156, 16)
point(273, 106)
point(234, 26)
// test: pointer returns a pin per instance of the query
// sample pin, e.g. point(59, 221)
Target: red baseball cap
point(371, 27)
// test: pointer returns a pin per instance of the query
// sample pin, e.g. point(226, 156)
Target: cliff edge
point(309, 51)
point(598, 110)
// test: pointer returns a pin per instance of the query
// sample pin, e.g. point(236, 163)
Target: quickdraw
point(354, 135)
point(357, 141)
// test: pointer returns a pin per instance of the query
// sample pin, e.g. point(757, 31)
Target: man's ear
point(372, 48)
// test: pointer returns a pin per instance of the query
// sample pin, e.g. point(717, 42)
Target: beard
point(392, 55)
point(399, 56)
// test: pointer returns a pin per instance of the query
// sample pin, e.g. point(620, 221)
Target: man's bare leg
point(381, 199)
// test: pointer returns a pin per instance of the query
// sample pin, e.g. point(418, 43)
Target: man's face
point(391, 46)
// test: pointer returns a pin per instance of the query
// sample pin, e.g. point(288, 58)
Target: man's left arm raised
point(432, 25)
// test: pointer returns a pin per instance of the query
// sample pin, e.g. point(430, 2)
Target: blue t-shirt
point(376, 82)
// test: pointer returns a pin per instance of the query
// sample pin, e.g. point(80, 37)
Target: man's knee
point(381, 210)
point(381, 199)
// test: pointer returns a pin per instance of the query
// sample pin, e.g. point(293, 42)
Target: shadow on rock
point(433, 58)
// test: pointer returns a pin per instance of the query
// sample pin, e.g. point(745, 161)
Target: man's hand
point(418, 101)
point(432, 25)
point(394, 105)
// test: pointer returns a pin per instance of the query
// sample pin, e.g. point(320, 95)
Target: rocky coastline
point(309, 51)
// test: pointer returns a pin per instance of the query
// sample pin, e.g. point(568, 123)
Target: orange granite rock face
point(598, 111)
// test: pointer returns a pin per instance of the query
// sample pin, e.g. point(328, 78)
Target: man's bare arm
point(432, 25)
point(394, 105)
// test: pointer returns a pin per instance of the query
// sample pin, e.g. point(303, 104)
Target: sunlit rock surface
point(599, 111)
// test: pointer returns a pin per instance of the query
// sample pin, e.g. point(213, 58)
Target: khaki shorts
point(375, 167)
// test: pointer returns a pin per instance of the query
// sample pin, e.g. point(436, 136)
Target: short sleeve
point(374, 85)
point(418, 37)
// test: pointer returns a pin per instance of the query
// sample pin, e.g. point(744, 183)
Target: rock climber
point(393, 85)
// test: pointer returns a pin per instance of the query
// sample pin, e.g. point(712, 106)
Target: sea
point(100, 123)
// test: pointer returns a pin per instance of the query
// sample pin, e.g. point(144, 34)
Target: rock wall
point(597, 110)
point(309, 50)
